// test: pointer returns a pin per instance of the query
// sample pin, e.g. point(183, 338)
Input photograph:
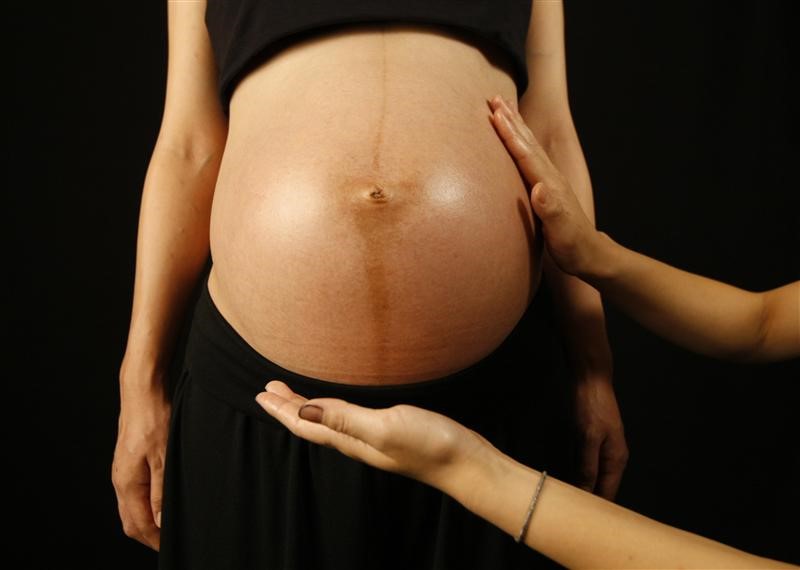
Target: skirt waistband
point(223, 363)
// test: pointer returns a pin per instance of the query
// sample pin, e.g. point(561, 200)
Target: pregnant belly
point(373, 235)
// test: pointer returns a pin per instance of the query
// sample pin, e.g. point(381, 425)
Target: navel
point(378, 194)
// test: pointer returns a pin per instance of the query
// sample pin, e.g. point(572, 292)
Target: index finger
point(610, 473)
point(137, 506)
point(353, 430)
point(521, 143)
point(341, 420)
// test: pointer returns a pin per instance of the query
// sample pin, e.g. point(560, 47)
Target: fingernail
point(311, 413)
point(158, 519)
point(261, 398)
point(497, 115)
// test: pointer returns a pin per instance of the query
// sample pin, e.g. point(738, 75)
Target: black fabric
point(245, 33)
point(241, 491)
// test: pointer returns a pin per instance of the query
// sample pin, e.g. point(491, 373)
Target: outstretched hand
point(576, 247)
point(569, 234)
point(404, 439)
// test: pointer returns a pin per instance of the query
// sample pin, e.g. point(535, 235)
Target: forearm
point(579, 306)
point(578, 529)
point(701, 314)
point(172, 247)
point(698, 313)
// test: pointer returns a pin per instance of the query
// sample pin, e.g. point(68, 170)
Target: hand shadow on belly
point(536, 246)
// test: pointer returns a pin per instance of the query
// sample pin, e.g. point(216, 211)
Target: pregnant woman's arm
point(545, 107)
point(695, 312)
point(570, 526)
point(172, 247)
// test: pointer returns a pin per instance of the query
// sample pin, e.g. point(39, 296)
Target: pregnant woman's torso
point(368, 225)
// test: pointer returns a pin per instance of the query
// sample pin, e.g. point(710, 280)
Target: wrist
point(480, 473)
point(601, 259)
point(469, 473)
point(590, 360)
point(148, 353)
point(588, 377)
point(141, 373)
point(582, 322)
point(502, 490)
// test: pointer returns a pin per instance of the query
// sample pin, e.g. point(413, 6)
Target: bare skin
point(572, 527)
point(172, 248)
point(575, 528)
point(354, 238)
point(408, 253)
point(696, 312)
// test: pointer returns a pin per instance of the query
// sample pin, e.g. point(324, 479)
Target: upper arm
point(545, 104)
point(193, 122)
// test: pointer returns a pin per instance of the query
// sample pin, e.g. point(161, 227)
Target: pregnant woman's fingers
point(589, 462)
point(156, 488)
point(603, 450)
point(133, 496)
point(611, 468)
point(137, 470)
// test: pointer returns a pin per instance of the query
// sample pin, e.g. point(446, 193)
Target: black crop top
point(244, 33)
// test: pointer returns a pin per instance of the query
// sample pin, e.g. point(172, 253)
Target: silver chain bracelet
point(531, 507)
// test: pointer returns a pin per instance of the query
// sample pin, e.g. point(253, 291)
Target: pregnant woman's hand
point(404, 439)
point(137, 472)
point(570, 236)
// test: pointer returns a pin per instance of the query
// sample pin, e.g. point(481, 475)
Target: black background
point(685, 111)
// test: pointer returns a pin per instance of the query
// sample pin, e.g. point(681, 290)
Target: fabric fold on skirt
point(241, 491)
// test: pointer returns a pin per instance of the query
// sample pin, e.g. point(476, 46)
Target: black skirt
point(241, 491)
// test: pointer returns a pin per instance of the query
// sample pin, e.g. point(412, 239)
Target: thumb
point(156, 490)
point(343, 417)
point(311, 412)
point(541, 199)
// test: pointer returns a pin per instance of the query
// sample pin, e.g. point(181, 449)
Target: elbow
point(195, 144)
point(760, 346)
point(557, 132)
point(755, 345)
point(550, 123)
point(561, 142)
point(561, 126)
point(194, 150)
